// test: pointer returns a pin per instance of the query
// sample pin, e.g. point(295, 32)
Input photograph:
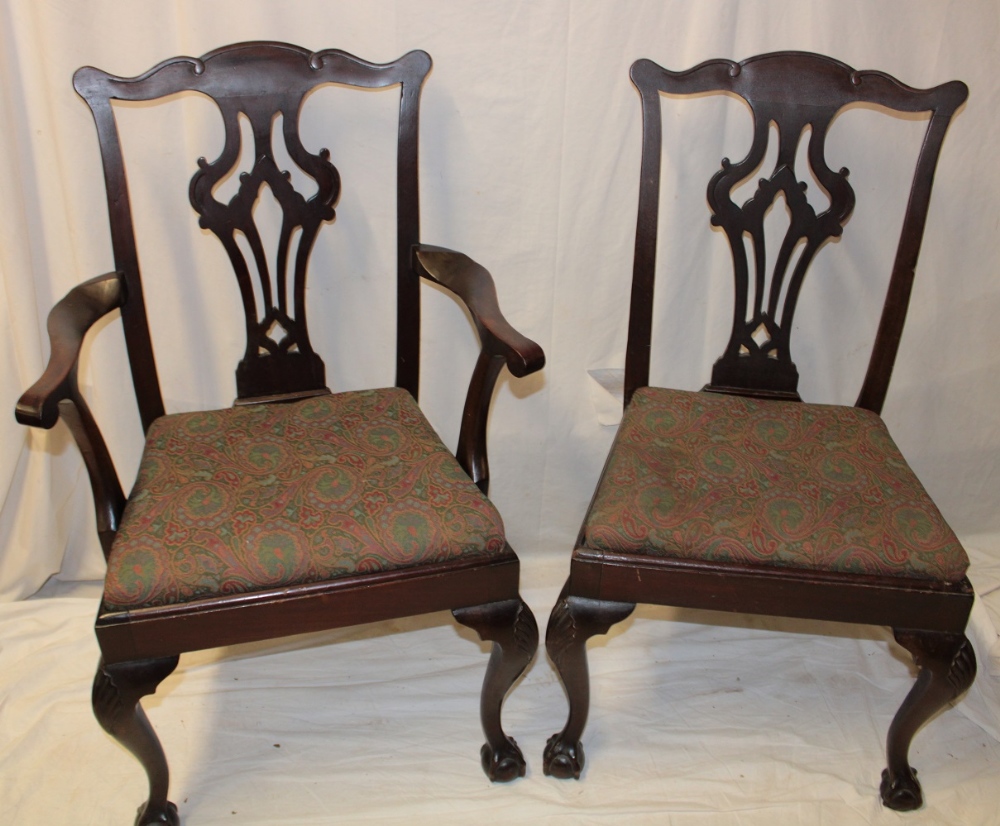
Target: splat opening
point(291, 273)
point(276, 332)
point(301, 181)
point(793, 262)
point(815, 194)
point(760, 336)
point(268, 219)
point(745, 189)
point(246, 253)
point(227, 187)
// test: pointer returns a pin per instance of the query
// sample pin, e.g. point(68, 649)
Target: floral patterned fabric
point(271, 495)
point(702, 476)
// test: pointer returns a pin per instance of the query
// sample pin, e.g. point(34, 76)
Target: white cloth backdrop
point(530, 142)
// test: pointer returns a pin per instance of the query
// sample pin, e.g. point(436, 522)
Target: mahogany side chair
point(296, 509)
point(742, 497)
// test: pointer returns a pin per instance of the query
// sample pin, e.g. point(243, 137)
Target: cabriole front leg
point(572, 622)
point(947, 668)
point(117, 691)
point(512, 629)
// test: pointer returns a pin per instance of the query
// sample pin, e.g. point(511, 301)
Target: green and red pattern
point(271, 495)
point(703, 476)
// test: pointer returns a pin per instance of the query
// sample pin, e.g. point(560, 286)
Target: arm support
point(56, 393)
point(501, 344)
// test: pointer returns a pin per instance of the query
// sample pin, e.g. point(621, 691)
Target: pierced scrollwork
point(283, 305)
point(758, 354)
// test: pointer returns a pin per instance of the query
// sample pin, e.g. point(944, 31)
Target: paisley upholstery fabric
point(703, 476)
point(265, 496)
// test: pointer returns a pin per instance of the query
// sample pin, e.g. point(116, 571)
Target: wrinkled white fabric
point(530, 142)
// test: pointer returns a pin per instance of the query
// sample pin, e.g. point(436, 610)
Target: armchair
point(297, 509)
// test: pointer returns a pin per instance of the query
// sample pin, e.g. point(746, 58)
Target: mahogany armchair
point(297, 509)
point(742, 497)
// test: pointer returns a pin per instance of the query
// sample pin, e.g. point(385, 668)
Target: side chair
point(742, 497)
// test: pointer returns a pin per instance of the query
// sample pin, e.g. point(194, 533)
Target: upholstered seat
point(720, 478)
point(268, 496)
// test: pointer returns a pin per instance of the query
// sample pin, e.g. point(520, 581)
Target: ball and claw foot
point(503, 765)
point(562, 760)
point(901, 793)
point(167, 814)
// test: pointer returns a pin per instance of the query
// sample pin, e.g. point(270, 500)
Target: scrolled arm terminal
point(473, 284)
point(68, 323)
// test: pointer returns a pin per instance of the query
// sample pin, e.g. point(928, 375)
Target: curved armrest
point(474, 285)
point(68, 324)
point(56, 393)
point(501, 344)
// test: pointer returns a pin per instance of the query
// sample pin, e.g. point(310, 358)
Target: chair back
point(799, 93)
point(265, 83)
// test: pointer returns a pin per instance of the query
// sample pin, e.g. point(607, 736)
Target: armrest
point(56, 394)
point(474, 285)
point(67, 325)
point(501, 345)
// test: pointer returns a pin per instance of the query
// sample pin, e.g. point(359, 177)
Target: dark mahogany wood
point(260, 82)
point(117, 691)
point(800, 94)
point(947, 668)
point(502, 345)
point(512, 629)
point(574, 620)
point(251, 617)
point(57, 394)
point(793, 90)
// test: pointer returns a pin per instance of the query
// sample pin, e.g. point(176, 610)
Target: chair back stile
point(261, 82)
point(795, 92)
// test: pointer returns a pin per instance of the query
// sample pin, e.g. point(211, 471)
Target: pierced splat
point(260, 89)
point(758, 355)
point(278, 353)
